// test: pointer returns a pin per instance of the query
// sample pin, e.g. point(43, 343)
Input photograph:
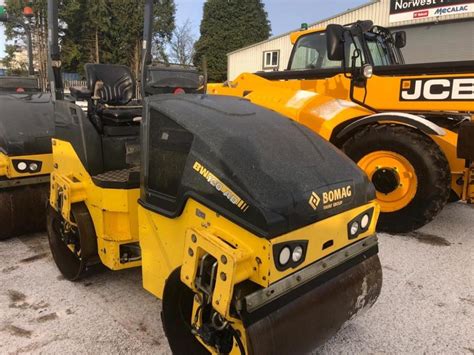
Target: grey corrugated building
point(437, 30)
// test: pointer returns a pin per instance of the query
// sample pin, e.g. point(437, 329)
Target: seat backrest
point(118, 83)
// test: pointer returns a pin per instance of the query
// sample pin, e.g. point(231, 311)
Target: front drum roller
point(74, 247)
point(295, 327)
point(23, 210)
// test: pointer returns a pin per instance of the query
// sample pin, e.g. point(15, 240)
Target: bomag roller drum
point(26, 128)
point(23, 210)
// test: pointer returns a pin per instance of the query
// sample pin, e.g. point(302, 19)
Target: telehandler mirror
point(335, 42)
point(400, 39)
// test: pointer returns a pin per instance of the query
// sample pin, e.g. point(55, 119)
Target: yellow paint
point(113, 211)
point(406, 191)
point(8, 170)
point(182, 241)
point(330, 106)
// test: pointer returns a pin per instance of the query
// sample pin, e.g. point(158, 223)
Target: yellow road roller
point(244, 238)
point(26, 128)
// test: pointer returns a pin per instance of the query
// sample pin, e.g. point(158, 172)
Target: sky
point(284, 15)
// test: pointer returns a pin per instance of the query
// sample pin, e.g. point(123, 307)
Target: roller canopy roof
point(252, 165)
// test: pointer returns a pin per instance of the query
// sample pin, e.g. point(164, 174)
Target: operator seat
point(113, 88)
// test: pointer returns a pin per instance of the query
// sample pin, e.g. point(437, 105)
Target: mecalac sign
point(407, 10)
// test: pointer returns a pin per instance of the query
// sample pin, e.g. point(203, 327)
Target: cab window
point(311, 53)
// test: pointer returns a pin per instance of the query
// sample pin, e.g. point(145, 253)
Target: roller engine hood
point(252, 165)
point(26, 124)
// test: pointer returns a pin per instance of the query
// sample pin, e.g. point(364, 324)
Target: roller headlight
point(364, 222)
point(289, 254)
point(354, 228)
point(285, 255)
point(22, 166)
point(33, 167)
point(360, 224)
point(297, 254)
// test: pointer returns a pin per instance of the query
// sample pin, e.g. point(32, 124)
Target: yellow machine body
point(113, 211)
point(167, 244)
point(324, 106)
point(8, 170)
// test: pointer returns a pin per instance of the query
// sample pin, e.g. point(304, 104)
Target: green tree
point(38, 26)
point(110, 31)
point(228, 25)
point(13, 66)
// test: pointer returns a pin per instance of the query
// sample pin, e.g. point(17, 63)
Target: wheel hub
point(394, 178)
point(386, 180)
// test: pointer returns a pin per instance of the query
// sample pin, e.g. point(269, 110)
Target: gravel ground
point(426, 305)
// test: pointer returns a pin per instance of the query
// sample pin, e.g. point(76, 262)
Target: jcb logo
point(437, 89)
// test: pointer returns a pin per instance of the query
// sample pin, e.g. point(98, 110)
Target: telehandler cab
point(255, 247)
point(398, 122)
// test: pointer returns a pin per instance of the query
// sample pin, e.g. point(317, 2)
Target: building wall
point(441, 42)
point(250, 59)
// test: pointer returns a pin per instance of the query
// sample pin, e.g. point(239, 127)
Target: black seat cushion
point(118, 83)
point(119, 115)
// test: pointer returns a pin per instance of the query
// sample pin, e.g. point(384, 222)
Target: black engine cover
point(26, 124)
point(252, 165)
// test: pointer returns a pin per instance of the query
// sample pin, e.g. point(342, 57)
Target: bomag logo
point(437, 89)
point(220, 186)
point(330, 199)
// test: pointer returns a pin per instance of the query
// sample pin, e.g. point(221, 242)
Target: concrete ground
point(426, 305)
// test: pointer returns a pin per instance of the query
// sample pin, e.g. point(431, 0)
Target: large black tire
point(176, 317)
point(430, 165)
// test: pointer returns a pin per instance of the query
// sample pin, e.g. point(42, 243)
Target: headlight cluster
point(290, 254)
point(360, 224)
point(27, 166)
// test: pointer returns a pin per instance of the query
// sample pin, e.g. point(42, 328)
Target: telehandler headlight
point(367, 71)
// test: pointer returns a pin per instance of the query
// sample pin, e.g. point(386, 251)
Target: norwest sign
point(407, 10)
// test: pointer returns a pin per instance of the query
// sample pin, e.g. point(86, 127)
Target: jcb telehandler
point(399, 122)
point(255, 247)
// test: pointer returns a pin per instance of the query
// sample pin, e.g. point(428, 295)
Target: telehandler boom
point(398, 122)
point(254, 247)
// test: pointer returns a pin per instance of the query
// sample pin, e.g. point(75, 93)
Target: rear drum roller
point(74, 248)
point(409, 171)
point(23, 210)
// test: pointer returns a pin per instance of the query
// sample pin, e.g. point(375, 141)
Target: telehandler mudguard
point(466, 141)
